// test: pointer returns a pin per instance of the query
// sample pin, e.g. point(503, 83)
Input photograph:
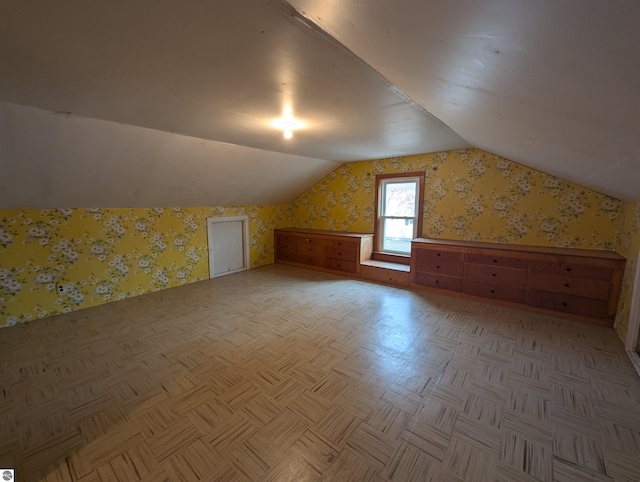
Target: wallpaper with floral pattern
point(471, 195)
point(629, 247)
point(101, 255)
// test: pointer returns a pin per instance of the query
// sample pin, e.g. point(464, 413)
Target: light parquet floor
point(284, 374)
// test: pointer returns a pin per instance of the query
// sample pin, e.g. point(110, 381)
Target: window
point(399, 200)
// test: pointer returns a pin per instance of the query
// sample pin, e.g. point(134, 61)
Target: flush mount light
point(287, 123)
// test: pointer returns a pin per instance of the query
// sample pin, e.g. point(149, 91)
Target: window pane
point(400, 199)
point(398, 234)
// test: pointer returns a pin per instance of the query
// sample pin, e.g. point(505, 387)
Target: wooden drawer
point(341, 244)
point(341, 253)
point(513, 294)
point(309, 241)
point(448, 263)
point(431, 280)
point(383, 275)
point(287, 243)
point(306, 249)
point(567, 303)
point(287, 256)
point(497, 260)
point(311, 260)
point(288, 247)
point(495, 275)
point(571, 285)
point(286, 237)
point(340, 265)
point(572, 269)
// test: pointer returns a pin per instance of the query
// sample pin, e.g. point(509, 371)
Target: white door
point(228, 245)
point(632, 343)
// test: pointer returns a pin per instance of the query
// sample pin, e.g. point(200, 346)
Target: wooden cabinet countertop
point(324, 232)
point(479, 246)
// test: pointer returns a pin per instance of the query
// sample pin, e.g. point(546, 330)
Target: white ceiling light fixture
point(287, 123)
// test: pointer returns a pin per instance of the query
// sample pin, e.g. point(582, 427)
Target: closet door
point(228, 245)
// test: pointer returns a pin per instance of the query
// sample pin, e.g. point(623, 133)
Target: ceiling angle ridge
point(307, 21)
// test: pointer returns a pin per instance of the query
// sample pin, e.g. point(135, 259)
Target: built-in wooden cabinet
point(333, 251)
point(570, 285)
point(579, 284)
point(498, 277)
point(438, 268)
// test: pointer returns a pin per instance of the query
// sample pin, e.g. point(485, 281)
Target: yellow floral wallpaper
point(101, 255)
point(471, 195)
point(629, 247)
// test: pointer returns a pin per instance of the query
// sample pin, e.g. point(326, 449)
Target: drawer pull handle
point(339, 244)
point(568, 269)
point(495, 260)
point(438, 254)
point(564, 304)
point(493, 274)
point(437, 281)
point(339, 253)
point(492, 291)
point(437, 267)
point(339, 266)
point(566, 285)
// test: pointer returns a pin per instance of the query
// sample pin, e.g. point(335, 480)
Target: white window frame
point(382, 181)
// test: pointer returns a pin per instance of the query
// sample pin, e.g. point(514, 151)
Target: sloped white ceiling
point(152, 94)
point(552, 84)
point(66, 161)
point(220, 71)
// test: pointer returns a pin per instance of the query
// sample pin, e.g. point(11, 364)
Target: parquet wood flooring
point(285, 374)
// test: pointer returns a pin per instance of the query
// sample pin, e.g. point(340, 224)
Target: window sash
point(409, 180)
point(387, 244)
point(384, 237)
